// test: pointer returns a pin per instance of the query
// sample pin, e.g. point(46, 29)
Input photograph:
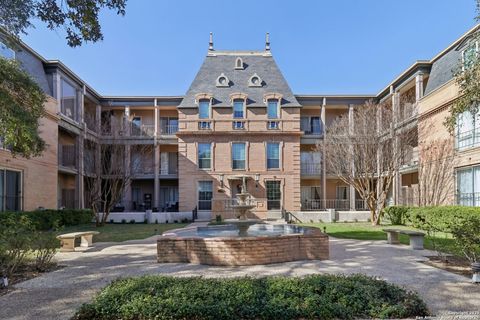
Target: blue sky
point(322, 47)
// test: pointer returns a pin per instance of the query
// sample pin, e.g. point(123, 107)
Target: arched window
point(239, 63)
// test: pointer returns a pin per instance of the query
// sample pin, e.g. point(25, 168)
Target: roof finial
point(267, 42)
point(210, 43)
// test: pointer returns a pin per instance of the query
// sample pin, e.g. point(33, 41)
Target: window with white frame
point(468, 186)
point(273, 111)
point(204, 155)
point(273, 155)
point(238, 156)
point(6, 51)
point(468, 130)
point(204, 109)
point(205, 195)
point(238, 109)
point(10, 190)
point(68, 100)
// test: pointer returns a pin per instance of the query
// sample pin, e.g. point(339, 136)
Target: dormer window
point(469, 55)
point(255, 81)
point(204, 109)
point(6, 52)
point(273, 111)
point(222, 81)
point(239, 64)
point(238, 109)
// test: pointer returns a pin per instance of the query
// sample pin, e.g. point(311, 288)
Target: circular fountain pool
point(229, 245)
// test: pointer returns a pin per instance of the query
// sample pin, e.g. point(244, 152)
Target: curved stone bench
point(68, 240)
point(415, 237)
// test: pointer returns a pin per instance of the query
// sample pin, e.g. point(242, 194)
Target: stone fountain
point(241, 209)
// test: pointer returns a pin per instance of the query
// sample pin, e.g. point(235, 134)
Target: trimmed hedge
point(48, 219)
point(396, 215)
point(312, 297)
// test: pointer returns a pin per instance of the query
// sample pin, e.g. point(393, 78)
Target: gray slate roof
point(443, 69)
point(224, 62)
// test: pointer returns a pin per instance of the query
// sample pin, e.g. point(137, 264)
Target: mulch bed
point(25, 273)
point(457, 265)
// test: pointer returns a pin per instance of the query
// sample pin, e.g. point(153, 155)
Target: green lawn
point(117, 232)
point(365, 231)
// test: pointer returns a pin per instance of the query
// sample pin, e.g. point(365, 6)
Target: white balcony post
point(324, 165)
point(127, 195)
point(156, 166)
point(98, 119)
point(126, 120)
point(351, 130)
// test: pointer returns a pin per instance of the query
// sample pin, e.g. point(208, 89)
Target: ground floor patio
point(56, 295)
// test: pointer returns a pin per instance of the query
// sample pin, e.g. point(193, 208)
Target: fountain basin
point(222, 245)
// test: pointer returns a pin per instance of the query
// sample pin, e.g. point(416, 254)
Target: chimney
point(267, 42)
point(210, 43)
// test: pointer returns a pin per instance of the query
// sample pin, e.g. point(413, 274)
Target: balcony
point(410, 160)
point(139, 168)
point(67, 156)
point(337, 204)
point(143, 130)
point(310, 168)
point(169, 129)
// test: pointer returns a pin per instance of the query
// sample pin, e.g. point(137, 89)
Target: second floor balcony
point(67, 156)
point(310, 168)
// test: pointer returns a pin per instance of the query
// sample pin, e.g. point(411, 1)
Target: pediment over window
point(272, 95)
point(203, 96)
point(238, 95)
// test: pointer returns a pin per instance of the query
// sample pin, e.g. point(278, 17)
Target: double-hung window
point(238, 156)
point(205, 195)
point(468, 186)
point(204, 109)
point(272, 109)
point(238, 109)
point(273, 155)
point(204, 155)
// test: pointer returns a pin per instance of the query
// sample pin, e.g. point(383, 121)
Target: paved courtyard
point(56, 295)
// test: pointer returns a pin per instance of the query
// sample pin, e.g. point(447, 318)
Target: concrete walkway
point(58, 294)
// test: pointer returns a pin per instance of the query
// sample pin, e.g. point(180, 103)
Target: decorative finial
point(267, 42)
point(210, 43)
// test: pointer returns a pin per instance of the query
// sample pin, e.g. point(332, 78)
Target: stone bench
point(68, 240)
point(416, 237)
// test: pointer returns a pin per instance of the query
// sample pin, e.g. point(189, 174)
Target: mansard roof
point(257, 63)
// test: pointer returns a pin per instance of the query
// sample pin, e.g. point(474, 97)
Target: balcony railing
point(67, 156)
point(144, 130)
point(467, 139)
point(142, 168)
point(313, 129)
point(468, 199)
point(310, 168)
point(169, 129)
point(338, 204)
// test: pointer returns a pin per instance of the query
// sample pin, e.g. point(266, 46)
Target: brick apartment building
point(238, 120)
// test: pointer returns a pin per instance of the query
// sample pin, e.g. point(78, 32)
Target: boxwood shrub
point(48, 219)
point(312, 297)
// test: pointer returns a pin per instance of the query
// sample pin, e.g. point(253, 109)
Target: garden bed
point(454, 264)
point(312, 297)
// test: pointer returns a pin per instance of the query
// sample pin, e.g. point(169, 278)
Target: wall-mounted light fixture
point(257, 179)
point(221, 180)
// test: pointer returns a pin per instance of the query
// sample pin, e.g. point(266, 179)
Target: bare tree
point(435, 172)
point(366, 152)
point(108, 169)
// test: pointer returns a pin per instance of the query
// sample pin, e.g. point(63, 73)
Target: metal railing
point(144, 130)
point(313, 129)
point(67, 155)
point(467, 139)
point(338, 204)
point(468, 199)
point(169, 129)
point(310, 168)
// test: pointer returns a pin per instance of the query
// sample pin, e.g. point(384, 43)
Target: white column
point(98, 119)
point(127, 195)
point(324, 165)
point(156, 166)
point(80, 175)
point(126, 121)
point(418, 87)
point(351, 129)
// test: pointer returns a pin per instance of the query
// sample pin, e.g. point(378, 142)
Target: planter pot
point(476, 272)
